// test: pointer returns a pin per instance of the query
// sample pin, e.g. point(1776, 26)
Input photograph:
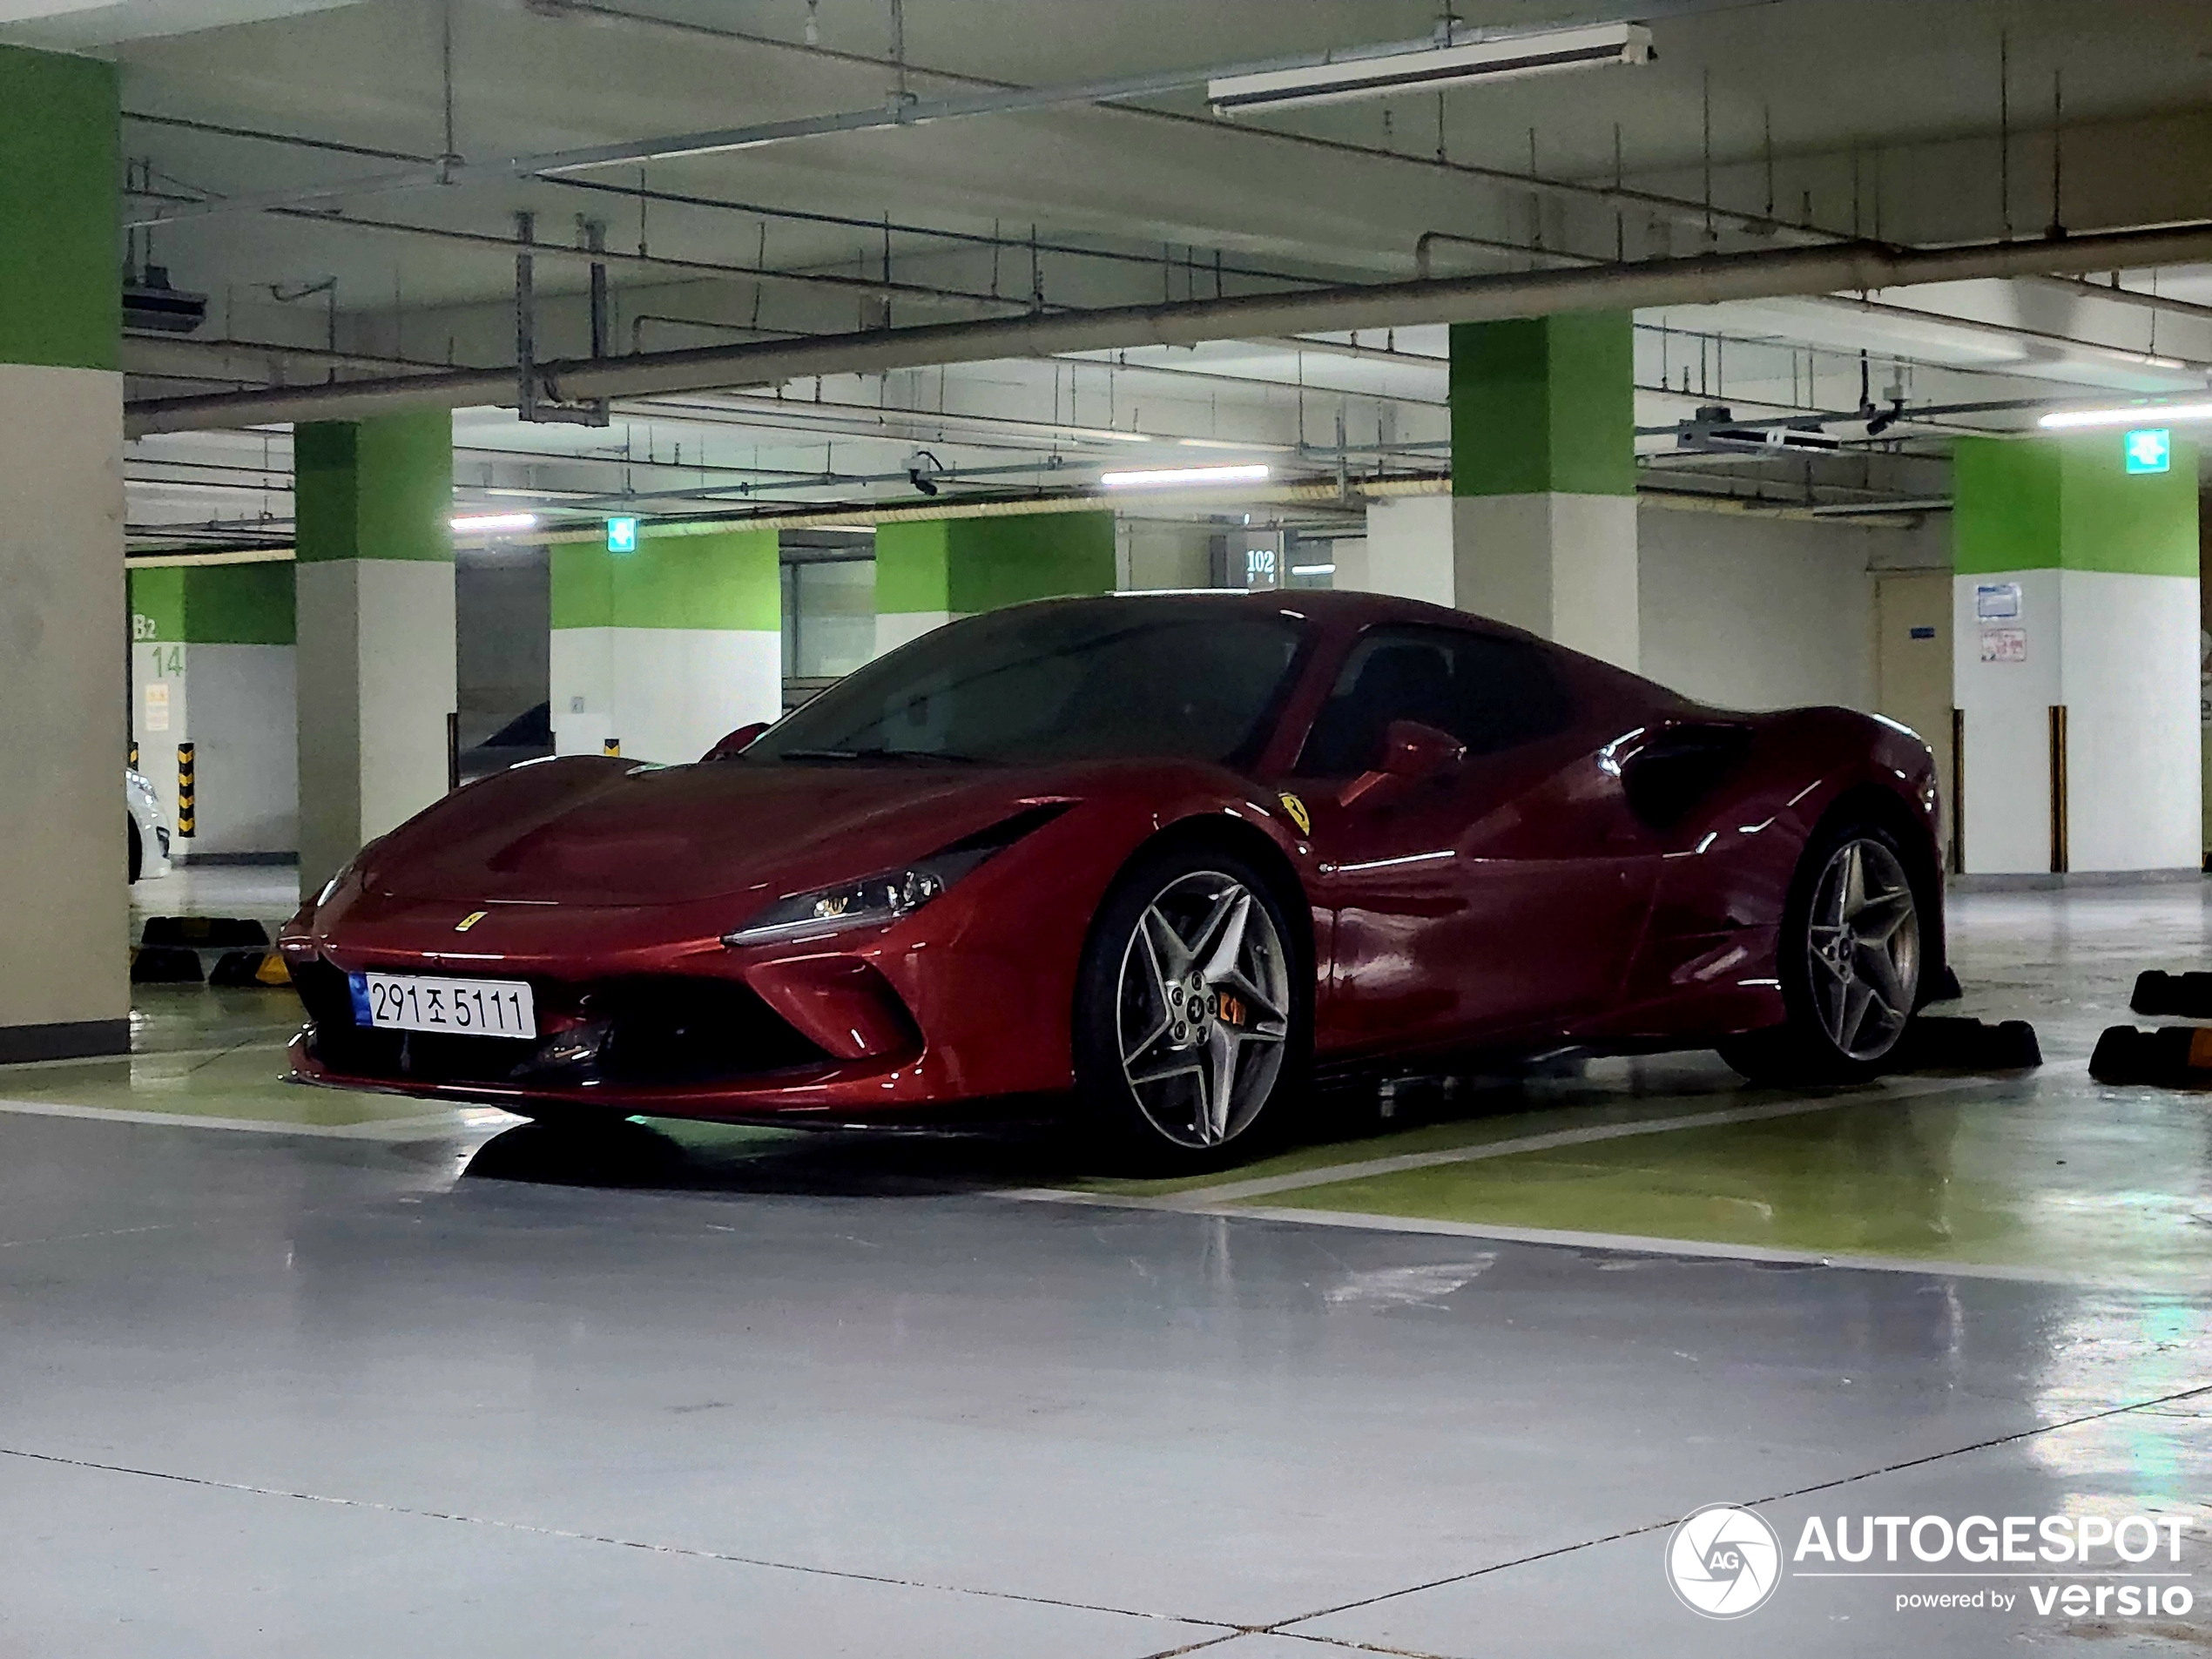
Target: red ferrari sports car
point(1162, 860)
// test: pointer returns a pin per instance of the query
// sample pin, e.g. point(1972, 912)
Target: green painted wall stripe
point(1544, 405)
point(2070, 504)
point(728, 581)
point(2110, 519)
point(157, 603)
point(970, 564)
point(221, 605)
point(61, 304)
point(380, 488)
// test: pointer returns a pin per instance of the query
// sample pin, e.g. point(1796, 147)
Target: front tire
point(1193, 1012)
point(1850, 959)
point(138, 848)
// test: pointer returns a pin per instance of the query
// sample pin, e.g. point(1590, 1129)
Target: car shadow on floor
point(674, 1154)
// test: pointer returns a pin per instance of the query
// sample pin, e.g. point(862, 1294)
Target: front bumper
point(907, 1024)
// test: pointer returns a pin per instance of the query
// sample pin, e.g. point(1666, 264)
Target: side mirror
point(737, 742)
point(1412, 754)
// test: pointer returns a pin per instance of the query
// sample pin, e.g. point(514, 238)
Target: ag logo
point(1723, 1562)
point(1299, 816)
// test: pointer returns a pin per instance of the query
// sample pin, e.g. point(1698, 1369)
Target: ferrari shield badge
point(1296, 808)
point(469, 921)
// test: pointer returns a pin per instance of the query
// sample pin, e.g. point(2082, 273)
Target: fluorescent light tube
point(1184, 475)
point(1436, 68)
point(1313, 570)
point(472, 521)
point(2141, 414)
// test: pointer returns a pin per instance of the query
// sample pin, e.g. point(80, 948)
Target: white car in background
point(149, 829)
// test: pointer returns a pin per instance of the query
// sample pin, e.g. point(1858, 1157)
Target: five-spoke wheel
point(1863, 949)
point(1193, 1010)
point(1203, 1009)
point(1850, 955)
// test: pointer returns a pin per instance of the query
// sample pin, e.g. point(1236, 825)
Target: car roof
point(1333, 608)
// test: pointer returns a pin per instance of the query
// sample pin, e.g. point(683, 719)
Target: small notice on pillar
point(2004, 644)
point(156, 707)
point(1996, 601)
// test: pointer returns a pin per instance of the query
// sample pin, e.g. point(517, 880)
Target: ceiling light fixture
point(2061, 420)
point(1435, 68)
point(468, 523)
point(1184, 475)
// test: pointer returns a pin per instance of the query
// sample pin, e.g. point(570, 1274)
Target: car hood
point(588, 831)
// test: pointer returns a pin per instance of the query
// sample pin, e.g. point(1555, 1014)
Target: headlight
point(875, 899)
point(870, 901)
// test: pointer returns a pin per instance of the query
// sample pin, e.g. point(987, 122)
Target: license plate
point(471, 1007)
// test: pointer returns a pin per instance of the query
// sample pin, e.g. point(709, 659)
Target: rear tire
point(1848, 956)
point(1193, 1014)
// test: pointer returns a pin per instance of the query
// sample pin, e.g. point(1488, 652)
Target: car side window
point(1490, 692)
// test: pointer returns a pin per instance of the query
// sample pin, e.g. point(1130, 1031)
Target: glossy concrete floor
point(287, 1373)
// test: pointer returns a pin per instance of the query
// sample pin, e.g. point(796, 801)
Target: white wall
point(667, 694)
point(1761, 613)
point(1407, 551)
point(1160, 556)
point(245, 752)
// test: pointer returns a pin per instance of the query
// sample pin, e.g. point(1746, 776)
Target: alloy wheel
point(1203, 1012)
point(1862, 948)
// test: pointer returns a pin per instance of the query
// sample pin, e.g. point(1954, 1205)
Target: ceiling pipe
point(1678, 209)
point(2077, 289)
point(2012, 331)
point(1705, 280)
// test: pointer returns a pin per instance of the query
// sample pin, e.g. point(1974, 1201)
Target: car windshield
point(1095, 680)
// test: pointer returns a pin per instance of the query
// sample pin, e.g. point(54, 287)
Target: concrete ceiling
point(1884, 117)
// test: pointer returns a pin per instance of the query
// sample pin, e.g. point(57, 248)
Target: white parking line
point(424, 1127)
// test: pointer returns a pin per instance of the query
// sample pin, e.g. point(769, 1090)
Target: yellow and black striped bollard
point(184, 818)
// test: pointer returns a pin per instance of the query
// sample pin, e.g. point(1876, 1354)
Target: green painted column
point(2075, 582)
point(665, 650)
point(211, 664)
point(1543, 528)
point(929, 571)
point(64, 983)
point(1540, 530)
point(375, 628)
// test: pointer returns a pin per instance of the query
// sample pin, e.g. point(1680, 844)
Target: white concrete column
point(65, 990)
point(376, 630)
point(1543, 479)
point(2076, 590)
point(1408, 551)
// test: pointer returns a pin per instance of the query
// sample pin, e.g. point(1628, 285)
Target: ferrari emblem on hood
point(469, 921)
point(1296, 808)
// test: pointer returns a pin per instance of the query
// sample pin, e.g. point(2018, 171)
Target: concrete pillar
point(1408, 551)
point(2076, 590)
point(375, 628)
point(1543, 478)
point(211, 664)
point(930, 571)
point(665, 649)
point(64, 984)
